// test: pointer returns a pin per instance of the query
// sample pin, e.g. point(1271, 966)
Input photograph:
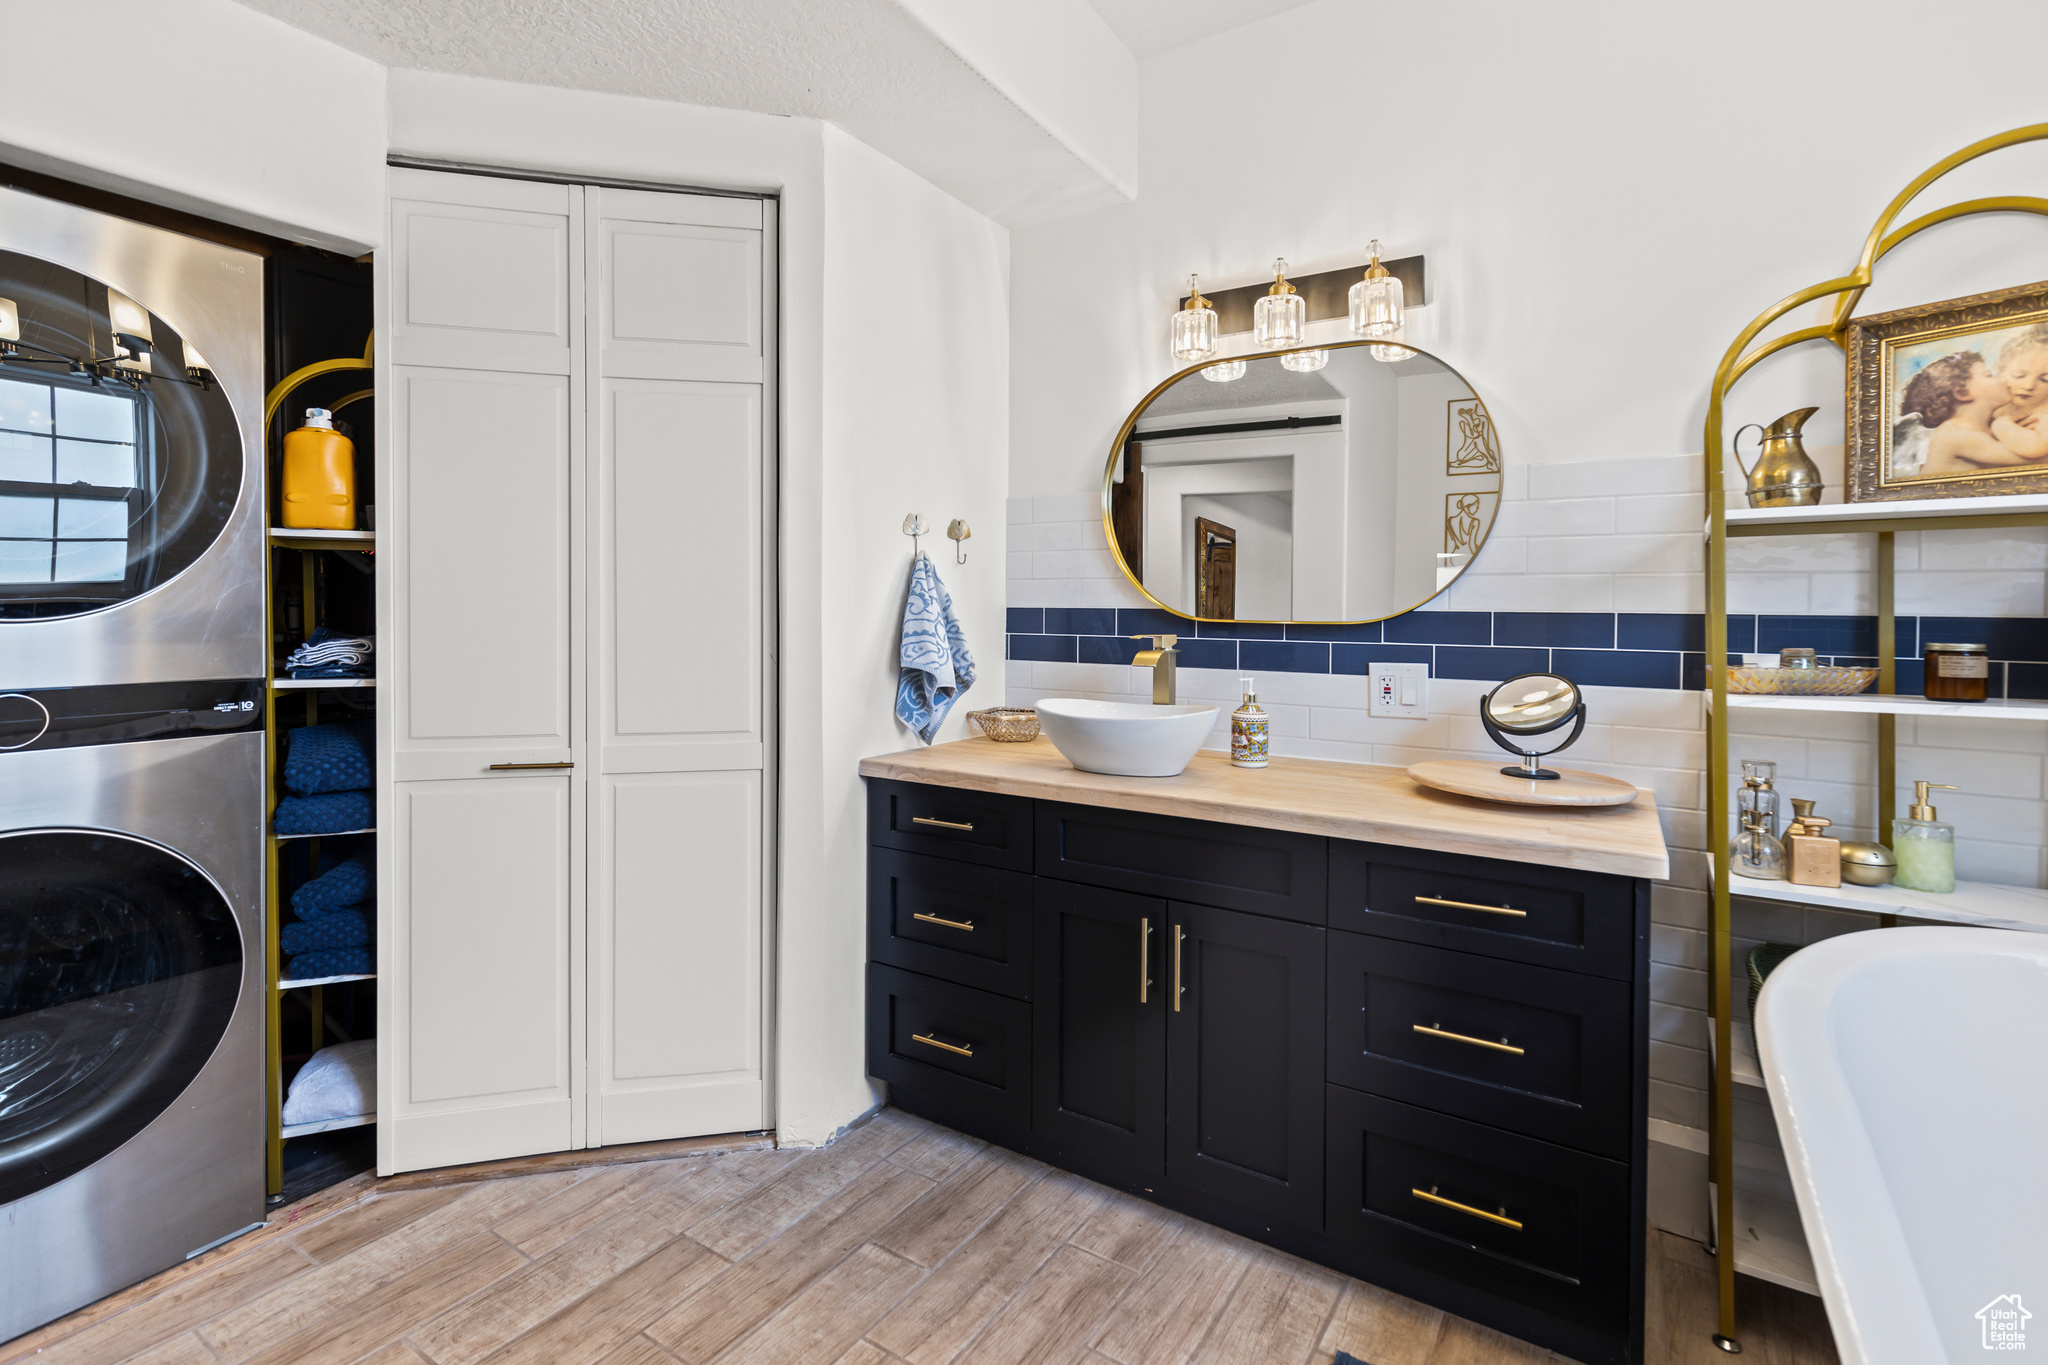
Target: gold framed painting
point(1950, 400)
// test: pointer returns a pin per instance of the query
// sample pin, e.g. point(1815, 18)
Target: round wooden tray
point(1470, 777)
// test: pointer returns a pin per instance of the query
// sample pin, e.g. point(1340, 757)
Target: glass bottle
point(1924, 846)
point(1756, 852)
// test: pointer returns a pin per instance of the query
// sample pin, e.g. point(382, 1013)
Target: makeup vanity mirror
point(1349, 482)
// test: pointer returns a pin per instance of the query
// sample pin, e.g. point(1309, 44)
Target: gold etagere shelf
point(304, 692)
point(1971, 903)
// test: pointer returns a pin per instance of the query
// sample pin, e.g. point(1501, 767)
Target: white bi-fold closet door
point(575, 569)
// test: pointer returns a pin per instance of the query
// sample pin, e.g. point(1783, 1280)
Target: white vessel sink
point(1910, 1080)
point(1126, 739)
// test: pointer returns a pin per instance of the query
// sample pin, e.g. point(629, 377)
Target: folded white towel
point(339, 1082)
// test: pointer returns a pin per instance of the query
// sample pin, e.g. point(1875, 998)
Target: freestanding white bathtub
point(1909, 1072)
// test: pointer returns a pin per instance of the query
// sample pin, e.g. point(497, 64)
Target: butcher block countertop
point(1361, 801)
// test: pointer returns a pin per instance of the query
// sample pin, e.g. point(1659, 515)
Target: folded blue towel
point(936, 667)
point(335, 670)
point(329, 758)
point(330, 813)
point(331, 962)
point(349, 882)
point(348, 928)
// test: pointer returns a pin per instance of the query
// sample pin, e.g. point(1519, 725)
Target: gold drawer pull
point(1468, 905)
point(1502, 1046)
point(1433, 1197)
point(942, 824)
point(963, 1051)
point(526, 767)
point(966, 924)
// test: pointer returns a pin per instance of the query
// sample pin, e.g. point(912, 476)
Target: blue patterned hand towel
point(331, 962)
point(936, 667)
point(349, 928)
point(348, 882)
point(329, 758)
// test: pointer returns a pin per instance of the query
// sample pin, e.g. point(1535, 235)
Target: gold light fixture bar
point(1328, 295)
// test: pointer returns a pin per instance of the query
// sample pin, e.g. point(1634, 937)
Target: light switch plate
point(1399, 690)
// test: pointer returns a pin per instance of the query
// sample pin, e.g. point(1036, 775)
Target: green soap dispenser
point(1924, 846)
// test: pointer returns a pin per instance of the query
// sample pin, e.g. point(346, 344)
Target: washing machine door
point(120, 461)
point(120, 963)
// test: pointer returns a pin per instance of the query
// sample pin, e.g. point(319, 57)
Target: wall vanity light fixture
point(10, 326)
point(1376, 308)
point(1278, 318)
point(1194, 328)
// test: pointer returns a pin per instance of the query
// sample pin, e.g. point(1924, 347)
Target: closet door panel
point(480, 970)
point(680, 1035)
point(678, 286)
point(682, 544)
point(486, 605)
point(484, 273)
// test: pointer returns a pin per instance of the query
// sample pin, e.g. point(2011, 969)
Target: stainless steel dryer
point(131, 985)
point(132, 503)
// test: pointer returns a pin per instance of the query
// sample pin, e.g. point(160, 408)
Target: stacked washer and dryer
point(132, 654)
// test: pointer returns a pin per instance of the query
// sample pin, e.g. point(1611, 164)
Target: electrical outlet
point(1400, 690)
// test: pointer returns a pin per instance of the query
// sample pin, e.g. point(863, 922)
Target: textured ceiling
point(865, 65)
point(1149, 26)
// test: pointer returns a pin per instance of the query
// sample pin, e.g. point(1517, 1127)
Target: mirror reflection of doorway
point(1215, 570)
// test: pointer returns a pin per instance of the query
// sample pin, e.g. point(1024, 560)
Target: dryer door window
point(120, 964)
point(120, 461)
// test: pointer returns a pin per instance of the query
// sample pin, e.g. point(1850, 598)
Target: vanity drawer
point(1529, 1049)
point(1553, 917)
point(1541, 1225)
point(947, 822)
point(955, 921)
point(1236, 867)
point(956, 1055)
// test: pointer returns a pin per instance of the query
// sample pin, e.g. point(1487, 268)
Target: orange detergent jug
point(319, 475)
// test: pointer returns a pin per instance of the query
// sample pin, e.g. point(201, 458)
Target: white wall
point(204, 106)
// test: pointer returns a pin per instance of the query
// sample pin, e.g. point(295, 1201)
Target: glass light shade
point(1223, 371)
point(131, 318)
point(10, 321)
point(1194, 328)
point(1277, 319)
point(1305, 362)
point(1376, 307)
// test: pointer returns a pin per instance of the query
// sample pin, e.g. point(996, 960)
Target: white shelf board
point(329, 834)
point(1878, 704)
point(1845, 515)
point(1770, 1241)
point(311, 684)
point(311, 533)
point(1985, 904)
point(293, 1130)
point(324, 981)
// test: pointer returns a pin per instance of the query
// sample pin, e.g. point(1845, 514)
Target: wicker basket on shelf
point(1010, 724)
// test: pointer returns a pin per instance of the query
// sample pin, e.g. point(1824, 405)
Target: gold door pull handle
point(1469, 905)
point(966, 924)
point(930, 1041)
point(1179, 937)
point(1433, 1197)
point(942, 824)
point(526, 767)
point(1433, 1031)
point(1144, 958)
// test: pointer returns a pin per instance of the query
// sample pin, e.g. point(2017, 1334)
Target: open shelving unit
point(1768, 1241)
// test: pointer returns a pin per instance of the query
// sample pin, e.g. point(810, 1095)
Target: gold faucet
point(1161, 659)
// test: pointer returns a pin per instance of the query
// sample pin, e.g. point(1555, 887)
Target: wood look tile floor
point(902, 1243)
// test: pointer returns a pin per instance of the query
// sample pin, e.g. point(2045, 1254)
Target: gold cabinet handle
point(1502, 1046)
point(1468, 905)
point(526, 767)
point(1433, 1197)
point(1179, 937)
point(1144, 958)
point(942, 824)
point(929, 1041)
point(966, 924)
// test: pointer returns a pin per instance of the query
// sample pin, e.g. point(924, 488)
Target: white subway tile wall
point(1567, 541)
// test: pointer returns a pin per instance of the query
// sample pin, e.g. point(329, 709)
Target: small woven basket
point(1800, 682)
point(1010, 724)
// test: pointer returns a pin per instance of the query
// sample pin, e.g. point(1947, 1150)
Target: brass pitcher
point(1783, 475)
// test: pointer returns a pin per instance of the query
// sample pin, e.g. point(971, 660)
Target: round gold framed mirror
point(1332, 484)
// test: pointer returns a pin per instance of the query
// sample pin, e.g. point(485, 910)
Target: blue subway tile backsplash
point(1626, 649)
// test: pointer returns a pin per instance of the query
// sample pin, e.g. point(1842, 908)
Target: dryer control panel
point(124, 713)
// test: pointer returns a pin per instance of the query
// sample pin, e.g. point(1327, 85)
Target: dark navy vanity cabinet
point(1424, 1070)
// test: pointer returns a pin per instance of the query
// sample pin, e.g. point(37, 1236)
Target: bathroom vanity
point(1397, 1032)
